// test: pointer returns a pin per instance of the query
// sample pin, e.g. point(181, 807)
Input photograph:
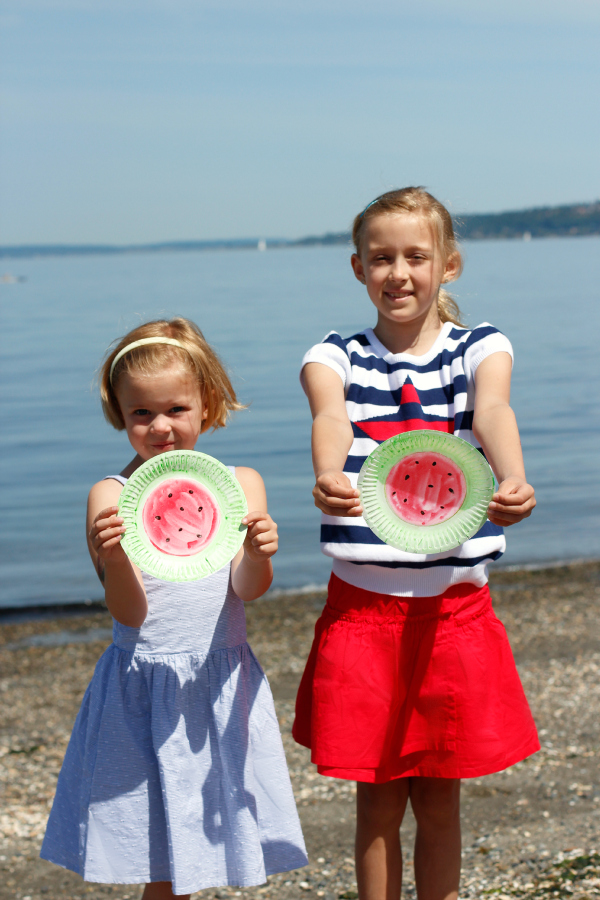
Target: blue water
point(262, 311)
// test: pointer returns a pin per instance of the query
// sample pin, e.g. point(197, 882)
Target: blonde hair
point(195, 356)
point(418, 201)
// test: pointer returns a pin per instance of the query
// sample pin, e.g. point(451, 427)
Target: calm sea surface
point(262, 311)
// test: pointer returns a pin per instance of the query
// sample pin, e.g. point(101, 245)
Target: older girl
point(410, 685)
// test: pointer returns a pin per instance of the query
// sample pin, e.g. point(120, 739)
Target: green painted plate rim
point(214, 476)
point(466, 522)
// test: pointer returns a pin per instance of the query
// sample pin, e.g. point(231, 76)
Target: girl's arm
point(495, 427)
point(251, 570)
point(123, 585)
point(331, 440)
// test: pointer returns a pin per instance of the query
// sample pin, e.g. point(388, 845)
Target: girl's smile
point(161, 412)
point(401, 267)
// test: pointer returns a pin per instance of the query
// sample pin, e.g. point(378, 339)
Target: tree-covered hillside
point(545, 221)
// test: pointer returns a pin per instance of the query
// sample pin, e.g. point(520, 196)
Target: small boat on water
point(7, 278)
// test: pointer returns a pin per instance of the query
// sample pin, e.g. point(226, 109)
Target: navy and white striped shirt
point(389, 393)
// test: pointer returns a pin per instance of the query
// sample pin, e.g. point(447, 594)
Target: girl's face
point(402, 267)
point(161, 412)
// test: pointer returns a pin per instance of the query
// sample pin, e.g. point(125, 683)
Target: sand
point(530, 832)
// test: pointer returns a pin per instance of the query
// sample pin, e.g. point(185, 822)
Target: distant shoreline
point(575, 220)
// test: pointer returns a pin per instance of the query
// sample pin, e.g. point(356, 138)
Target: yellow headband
point(142, 343)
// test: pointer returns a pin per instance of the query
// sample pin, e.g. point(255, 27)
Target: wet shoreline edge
point(24, 613)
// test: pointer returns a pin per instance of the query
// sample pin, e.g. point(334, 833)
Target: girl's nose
point(160, 424)
point(399, 270)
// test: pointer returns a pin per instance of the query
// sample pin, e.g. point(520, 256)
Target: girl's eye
point(177, 409)
point(141, 412)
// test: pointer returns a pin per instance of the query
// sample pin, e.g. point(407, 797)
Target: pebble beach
point(532, 831)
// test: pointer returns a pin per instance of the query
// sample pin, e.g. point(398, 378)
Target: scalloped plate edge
point(217, 478)
point(433, 538)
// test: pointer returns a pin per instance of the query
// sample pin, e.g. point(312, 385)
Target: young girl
point(410, 685)
point(175, 773)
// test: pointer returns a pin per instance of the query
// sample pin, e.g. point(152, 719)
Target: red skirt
point(398, 686)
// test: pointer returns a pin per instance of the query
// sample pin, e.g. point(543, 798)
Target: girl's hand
point(261, 540)
point(514, 500)
point(106, 533)
point(335, 496)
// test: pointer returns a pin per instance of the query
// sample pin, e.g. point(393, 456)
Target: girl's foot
point(162, 890)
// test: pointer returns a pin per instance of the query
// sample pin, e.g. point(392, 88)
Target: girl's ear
point(452, 268)
point(357, 268)
point(205, 405)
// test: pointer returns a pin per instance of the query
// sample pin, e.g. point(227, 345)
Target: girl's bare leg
point(436, 805)
point(162, 890)
point(379, 813)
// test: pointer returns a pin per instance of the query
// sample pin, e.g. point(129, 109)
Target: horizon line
point(477, 222)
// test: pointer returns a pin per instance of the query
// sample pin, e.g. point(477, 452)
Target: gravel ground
point(530, 832)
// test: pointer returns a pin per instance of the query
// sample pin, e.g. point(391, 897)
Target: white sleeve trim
point(491, 343)
point(331, 356)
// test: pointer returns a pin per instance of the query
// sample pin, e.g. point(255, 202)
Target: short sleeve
point(330, 352)
point(483, 341)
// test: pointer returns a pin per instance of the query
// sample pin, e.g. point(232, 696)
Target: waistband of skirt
point(148, 650)
point(458, 601)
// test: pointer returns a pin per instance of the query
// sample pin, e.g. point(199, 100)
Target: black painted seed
point(181, 507)
point(429, 485)
point(416, 462)
point(393, 493)
point(190, 492)
point(181, 529)
point(170, 495)
point(404, 501)
point(199, 509)
point(198, 535)
point(434, 464)
point(406, 477)
point(157, 517)
point(441, 507)
point(450, 474)
point(168, 539)
point(422, 512)
point(451, 491)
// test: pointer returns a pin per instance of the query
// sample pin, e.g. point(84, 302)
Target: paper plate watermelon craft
point(425, 491)
point(183, 512)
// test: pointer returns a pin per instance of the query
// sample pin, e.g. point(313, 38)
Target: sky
point(162, 120)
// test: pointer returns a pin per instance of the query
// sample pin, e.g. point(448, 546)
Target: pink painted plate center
point(180, 517)
point(425, 488)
